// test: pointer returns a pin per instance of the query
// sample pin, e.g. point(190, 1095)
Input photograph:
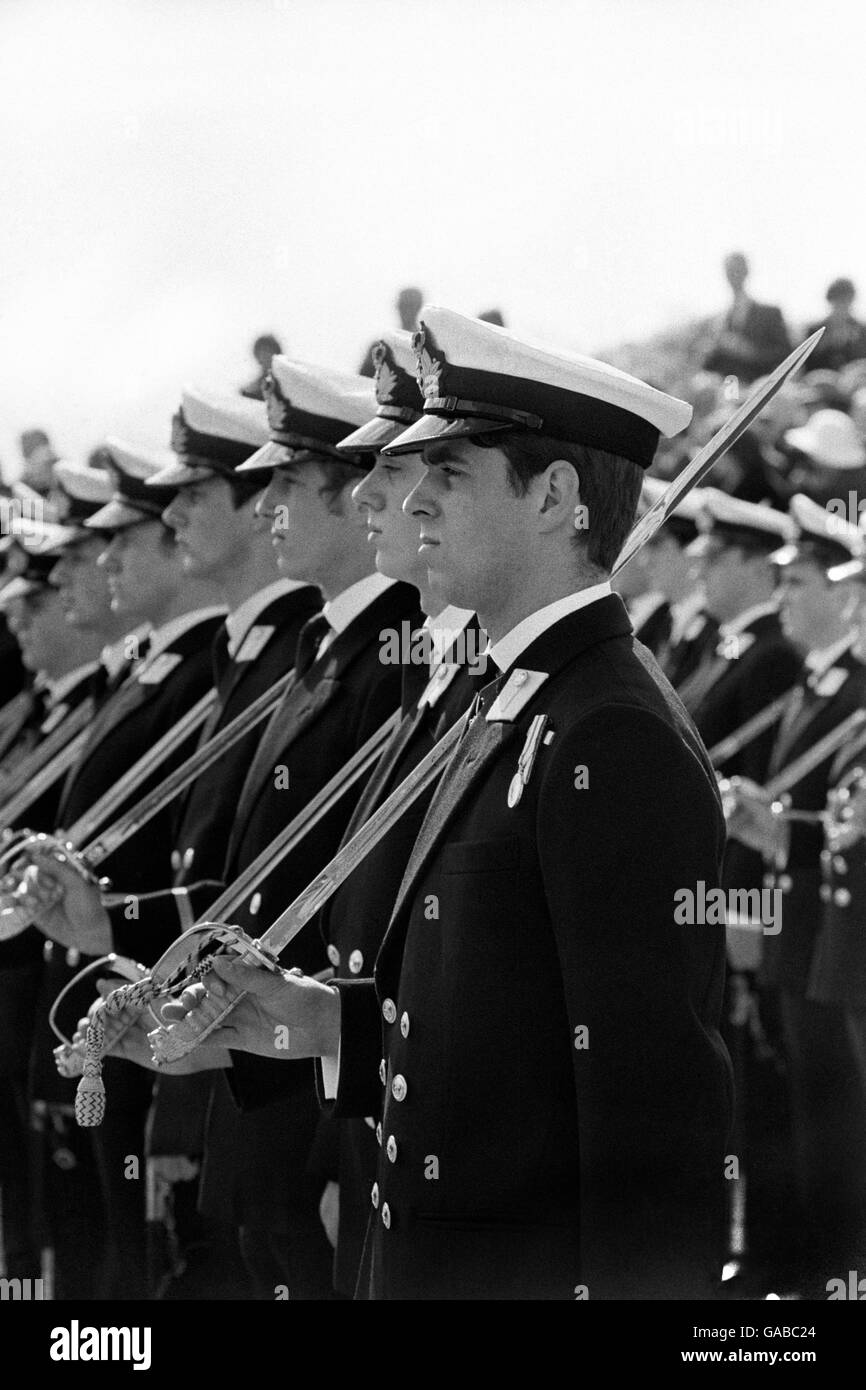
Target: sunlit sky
point(179, 175)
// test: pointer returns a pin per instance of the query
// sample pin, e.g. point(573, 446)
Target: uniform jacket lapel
point(486, 739)
point(305, 700)
point(805, 706)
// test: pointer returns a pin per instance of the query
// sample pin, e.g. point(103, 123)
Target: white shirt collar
point(59, 689)
point(347, 606)
point(444, 630)
point(242, 618)
point(735, 626)
point(506, 651)
point(115, 656)
point(162, 637)
point(820, 659)
point(641, 608)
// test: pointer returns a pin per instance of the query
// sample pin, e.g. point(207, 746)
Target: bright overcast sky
point(178, 175)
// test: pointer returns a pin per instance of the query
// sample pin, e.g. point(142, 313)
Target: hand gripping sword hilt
point(171, 1042)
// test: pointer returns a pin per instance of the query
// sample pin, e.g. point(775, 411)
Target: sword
point(233, 897)
point(44, 778)
point(703, 461)
point(150, 805)
point(19, 776)
point(751, 729)
point(814, 756)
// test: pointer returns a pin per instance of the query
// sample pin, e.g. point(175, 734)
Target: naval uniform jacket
point(353, 924)
point(125, 727)
point(817, 707)
point(21, 957)
point(681, 659)
point(555, 1092)
point(754, 667)
point(655, 633)
point(330, 712)
point(839, 965)
point(203, 815)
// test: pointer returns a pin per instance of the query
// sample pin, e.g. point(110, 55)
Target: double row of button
point(356, 959)
point(389, 1013)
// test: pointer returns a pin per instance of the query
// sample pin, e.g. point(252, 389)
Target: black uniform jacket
point(353, 924)
point(21, 957)
point(556, 1093)
point(126, 726)
point(817, 707)
point(679, 660)
point(656, 631)
point(754, 668)
point(335, 706)
point(839, 964)
point(203, 815)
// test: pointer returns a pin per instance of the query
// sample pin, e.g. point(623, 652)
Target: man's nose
point(420, 501)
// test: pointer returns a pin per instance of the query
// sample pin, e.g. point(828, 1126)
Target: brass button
point(374, 1194)
point(769, 880)
point(826, 856)
point(175, 860)
point(391, 1148)
point(386, 1216)
point(404, 1024)
point(389, 1010)
point(369, 1122)
point(399, 1087)
point(73, 956)
point(188, 857)
point(356, 962)
point(840, 864)
point(841, 897)
point(825, 893)
point(785, 883)
point(255, 904)
point(333, 955)
point(382, 1071)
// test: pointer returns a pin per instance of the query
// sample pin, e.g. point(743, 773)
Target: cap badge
point(277, 406)
point(429, 368)
point(181, 439)
point(387, 381)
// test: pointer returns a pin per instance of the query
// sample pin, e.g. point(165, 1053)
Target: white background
point(179, 175)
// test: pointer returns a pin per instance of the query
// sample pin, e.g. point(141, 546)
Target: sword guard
point(175, 971)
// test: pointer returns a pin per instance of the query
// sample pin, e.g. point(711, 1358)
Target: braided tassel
point(90, 1095)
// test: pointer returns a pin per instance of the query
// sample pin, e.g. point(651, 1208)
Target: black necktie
point(220, 659)
point(309, 641)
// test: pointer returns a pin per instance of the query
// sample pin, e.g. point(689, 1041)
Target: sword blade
point(813, 757)
point(695, 471)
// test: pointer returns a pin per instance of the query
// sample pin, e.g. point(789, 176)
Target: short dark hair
point(245, 486)
point(609, 486)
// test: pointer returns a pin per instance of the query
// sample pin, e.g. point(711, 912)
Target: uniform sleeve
point(626, 819)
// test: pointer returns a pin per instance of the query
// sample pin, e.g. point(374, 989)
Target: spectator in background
point(493, 316)
point(39, 458)
point(408, 307)
point(751, 338)
point(265, 349)
point(829, 459)
point(844, 337)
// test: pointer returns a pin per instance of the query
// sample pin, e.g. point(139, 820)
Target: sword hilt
point(171, 1042)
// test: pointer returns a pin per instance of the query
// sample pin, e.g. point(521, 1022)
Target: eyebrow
point(439, 453)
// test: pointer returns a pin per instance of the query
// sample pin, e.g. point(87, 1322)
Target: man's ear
point(560, 496)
